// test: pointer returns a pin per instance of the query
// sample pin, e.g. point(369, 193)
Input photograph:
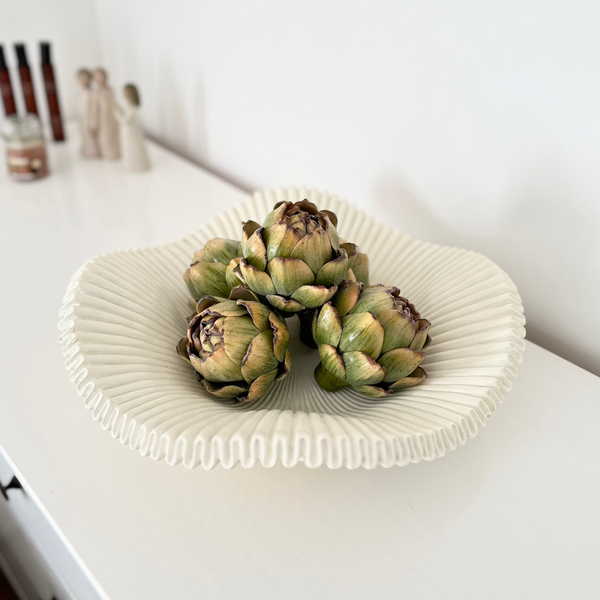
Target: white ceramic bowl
point(124, 313)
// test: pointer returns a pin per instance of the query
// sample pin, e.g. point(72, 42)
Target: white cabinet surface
point(512, 514)
point(36, 561)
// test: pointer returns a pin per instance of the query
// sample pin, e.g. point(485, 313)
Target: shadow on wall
point(536, 241)
point(188, 140)
point(174, 130)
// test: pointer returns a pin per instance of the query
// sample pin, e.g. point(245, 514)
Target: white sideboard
point(512, 514)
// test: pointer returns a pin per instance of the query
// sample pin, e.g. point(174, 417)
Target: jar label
point(27, 164)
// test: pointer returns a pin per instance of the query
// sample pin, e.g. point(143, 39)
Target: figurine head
point(84, 77)
point(131, 94)
point(100, 76)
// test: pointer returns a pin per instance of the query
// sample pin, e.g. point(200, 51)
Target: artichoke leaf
point(314, 249)
point(261, 386)
point(281, 239)
point(206, 302)
point(288, 274)
point(350, 276)
point(281, 336)
point(330, 228)
point(182, 349)
point(361, 268)
point(399, 329)
point(374, 299)
point(423, 327)
point(332, 273)
point(307, 206)
point(232, 276)
point(416, 377)
point(226, 308)
point(285, 366)
point(363, 333)
point(332, 361)
point(243, 292)
point(399, 363)
point(259, 313)
point(248, 229)
point(217, 367)
point(255, 251)
point(351, 251)
point(313, 296)
point(371, 390)
point(284, 304)
point(328, 381)
point(346, 297)
point(328, 329)
point(231, 390)
point(257, 280)
point(361, 369)
point(331, 216)
point(260, 358)
point(209, 278)
point(195, 292)
point(238, 333)
point(276, 215)
point(218, 250)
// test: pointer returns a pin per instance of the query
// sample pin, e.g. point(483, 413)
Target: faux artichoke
point(237, 347)
point(211, 272)
point(372, 340)
point(295, 259)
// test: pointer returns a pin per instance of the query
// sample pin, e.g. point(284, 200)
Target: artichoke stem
point(327, 381)
point(306, 319)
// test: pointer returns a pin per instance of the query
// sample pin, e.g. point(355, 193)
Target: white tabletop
point(513, 514)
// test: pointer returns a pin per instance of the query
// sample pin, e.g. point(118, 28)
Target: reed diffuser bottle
point(8, 98)
point(58, 132)
point(26, 81)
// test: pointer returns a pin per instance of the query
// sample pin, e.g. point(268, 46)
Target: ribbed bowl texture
point(124, 313)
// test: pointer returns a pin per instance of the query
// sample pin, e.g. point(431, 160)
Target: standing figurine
point(132, 140)
point(107, 126)
point(86, 111)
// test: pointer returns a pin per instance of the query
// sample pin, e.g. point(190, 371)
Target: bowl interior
point(125, 313)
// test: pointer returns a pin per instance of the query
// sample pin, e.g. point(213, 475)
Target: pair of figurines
point(108, 131)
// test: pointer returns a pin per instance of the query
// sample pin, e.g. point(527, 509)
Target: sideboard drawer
point(36, 561)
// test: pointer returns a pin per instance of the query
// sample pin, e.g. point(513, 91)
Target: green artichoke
point(295, 259)
point(238, 347)
point(212, 270)
point(372, 340)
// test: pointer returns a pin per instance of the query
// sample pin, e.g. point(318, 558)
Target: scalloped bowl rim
point(346, 431)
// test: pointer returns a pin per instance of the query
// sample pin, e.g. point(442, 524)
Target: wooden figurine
point(86, 108)
point(133, 147)
point(107, 126)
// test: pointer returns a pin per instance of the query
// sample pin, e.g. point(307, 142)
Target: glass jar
point(25, 150)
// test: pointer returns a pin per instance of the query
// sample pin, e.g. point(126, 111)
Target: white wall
point(468, 123)
point(71, 27)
